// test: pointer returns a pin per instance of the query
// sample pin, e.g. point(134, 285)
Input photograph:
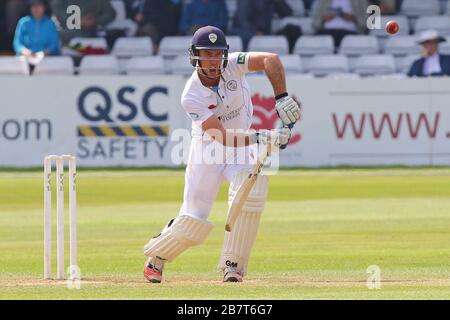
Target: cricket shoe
point(232, 275)
point(153, 269)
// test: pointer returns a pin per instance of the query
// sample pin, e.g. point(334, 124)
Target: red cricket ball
point(392, 27)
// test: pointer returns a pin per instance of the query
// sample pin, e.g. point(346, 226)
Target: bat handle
point(284, 146)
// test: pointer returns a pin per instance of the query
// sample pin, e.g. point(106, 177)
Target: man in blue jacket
point(36, 32)
point(432, 63)
point(155, 24)
point(254, 17)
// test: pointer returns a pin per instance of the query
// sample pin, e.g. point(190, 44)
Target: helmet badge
point(213, 37)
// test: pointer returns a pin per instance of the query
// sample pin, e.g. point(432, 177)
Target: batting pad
point(180, 234)
point(239, 242)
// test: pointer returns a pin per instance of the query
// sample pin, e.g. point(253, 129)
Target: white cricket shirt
point(231, 102)
point(432, 65)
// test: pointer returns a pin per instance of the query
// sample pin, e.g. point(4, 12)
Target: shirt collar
point(434, 56)
point(204, 91)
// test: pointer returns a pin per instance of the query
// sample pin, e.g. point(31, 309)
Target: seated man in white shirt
point(339, 18)
point(432, 63)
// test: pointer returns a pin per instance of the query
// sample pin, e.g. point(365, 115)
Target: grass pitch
point(320, 231)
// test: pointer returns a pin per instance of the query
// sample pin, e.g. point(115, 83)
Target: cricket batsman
point(217, 99)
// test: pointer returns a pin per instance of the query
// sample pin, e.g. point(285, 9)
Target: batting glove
point(289, 111)
point(278, 138)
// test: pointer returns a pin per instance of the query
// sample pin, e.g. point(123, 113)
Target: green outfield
point(320, 232)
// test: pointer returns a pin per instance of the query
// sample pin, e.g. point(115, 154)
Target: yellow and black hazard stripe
point(123, 131)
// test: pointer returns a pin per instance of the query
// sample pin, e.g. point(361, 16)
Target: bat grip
point(284, 146)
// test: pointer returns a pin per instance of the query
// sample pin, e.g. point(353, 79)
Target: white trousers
point(204, 177)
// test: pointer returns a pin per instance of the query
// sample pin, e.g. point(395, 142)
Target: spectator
point(339, 18)
point(155, 24)
point(308, 4)
point(200, 13)
point(398, 5)
point(432, 63)
point(2, 27)
point(95, 15)
point(254, 17)
point(387, 7)
point(36, 32)
point(14, 10)
point(134, 8)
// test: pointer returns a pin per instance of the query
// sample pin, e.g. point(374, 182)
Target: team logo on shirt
point(231, 115)
point(241, 58)
point(213, 37)
point(232, 85)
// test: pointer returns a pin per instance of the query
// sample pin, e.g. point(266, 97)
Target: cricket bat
point(242, 193)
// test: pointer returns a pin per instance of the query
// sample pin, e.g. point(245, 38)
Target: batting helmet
point(208, 38)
